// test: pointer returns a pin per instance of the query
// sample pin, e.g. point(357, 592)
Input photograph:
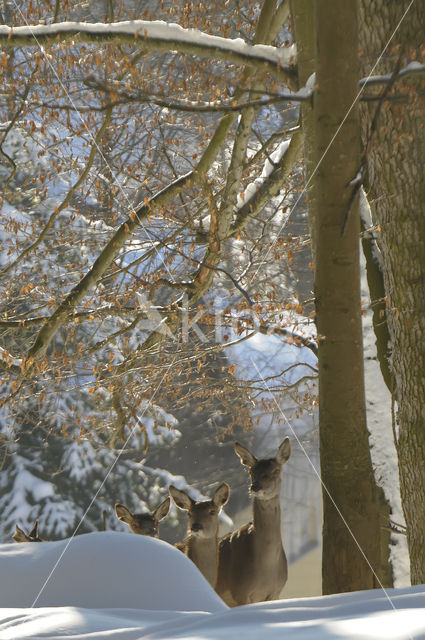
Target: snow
point(378, 402)
point(103, 569)
point(156, 30)
point(27, 489)
point(412, 67)
point(127, 587)
point(252, 188)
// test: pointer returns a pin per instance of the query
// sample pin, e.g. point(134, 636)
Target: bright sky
point(118, 586)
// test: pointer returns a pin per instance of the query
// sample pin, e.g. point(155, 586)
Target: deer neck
point(266, 521)
point(204, 553)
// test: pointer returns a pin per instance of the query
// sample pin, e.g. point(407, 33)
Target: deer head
point(143, 523)
point(32, 536)
point(203, 514)
point(265, 474)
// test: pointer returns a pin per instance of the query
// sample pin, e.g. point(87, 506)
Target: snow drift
point(103, 569)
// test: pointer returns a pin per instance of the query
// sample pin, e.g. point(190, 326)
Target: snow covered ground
point(117, 586)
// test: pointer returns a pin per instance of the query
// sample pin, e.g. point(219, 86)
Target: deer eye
point(212, 512)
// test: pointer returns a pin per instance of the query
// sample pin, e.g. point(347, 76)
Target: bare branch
point(395, 527)
point(99, 312)
point(292, 336)
point(304, 95)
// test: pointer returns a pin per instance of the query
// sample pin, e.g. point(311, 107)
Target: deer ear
point(221, 495)
point(284, 451)
point(162, 510)
point(247, 458)
point(19, 535)
point(182, 500)
point(34, 531)
point(123, 513)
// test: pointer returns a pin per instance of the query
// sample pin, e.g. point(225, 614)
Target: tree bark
point(351, 530)
point(397, 188)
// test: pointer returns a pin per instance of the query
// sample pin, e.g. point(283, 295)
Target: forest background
point(155, 180)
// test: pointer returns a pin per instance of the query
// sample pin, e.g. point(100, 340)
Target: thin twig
point(65, 202)
point(9, 127)
point(393, 420)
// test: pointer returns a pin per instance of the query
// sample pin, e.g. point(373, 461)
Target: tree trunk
point(397, 187)
point(375, 281)
point(376, 286)
point(302, 14)
point(351, 530)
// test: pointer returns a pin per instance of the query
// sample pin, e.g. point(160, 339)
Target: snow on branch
point(156, 35)
point(412, 68)
point(273, 176)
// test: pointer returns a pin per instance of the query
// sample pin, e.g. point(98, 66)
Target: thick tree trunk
point(396, 185)
point(351, 529)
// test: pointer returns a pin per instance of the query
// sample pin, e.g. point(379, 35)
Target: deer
point(143, 523)
point(252, 565)
point(32, 536)
point(201, 542)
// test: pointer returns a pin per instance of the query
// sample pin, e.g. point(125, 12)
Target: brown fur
point(252, 563)
point(201, 543)
point(32, 536)
point(143, 523)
